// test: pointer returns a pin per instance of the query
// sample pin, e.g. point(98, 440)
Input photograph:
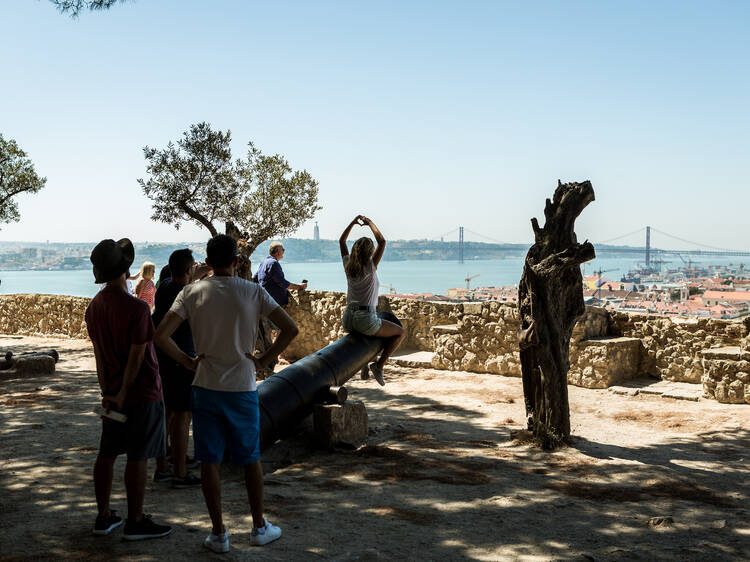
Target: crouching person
point(121, 331)
point(223, 312)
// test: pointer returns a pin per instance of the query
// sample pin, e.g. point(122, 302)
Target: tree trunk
point(244, 267)
point(550, 301)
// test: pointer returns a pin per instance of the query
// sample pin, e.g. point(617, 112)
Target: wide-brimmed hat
point(111, 259)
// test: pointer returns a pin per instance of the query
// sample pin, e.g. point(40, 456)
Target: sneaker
point(165, 476)
point(264, 535)
point(188, 481)
point(190, 462)
point(105, 525)
point(377, 373)
point(144, 529)
point(217, 543)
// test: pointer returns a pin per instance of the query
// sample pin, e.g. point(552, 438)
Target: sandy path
point(442, 477)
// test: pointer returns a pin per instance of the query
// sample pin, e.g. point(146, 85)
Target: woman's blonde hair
point(362, 251)
point(147, 267)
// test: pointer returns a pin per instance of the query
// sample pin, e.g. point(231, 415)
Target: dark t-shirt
point(183, 337)
point(115, 321)
point(271, 278)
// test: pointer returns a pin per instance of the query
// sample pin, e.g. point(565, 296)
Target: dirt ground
point(446, 475)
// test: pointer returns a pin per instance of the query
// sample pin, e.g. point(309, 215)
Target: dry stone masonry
point(606, 348)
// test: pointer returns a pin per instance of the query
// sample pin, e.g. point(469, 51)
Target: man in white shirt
point(223, 312)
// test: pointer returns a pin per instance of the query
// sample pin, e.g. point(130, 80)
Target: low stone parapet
point(726, 374)
point(602, 362)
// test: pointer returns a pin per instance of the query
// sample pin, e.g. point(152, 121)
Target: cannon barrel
point(287, 397)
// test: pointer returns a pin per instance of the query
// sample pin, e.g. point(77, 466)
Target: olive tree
point(75, 7)
point(257, 198)
point(17, 175)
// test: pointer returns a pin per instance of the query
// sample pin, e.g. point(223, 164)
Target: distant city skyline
point(422, 115)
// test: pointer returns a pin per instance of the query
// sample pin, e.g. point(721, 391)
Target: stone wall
point(318, 315)
point(43, 315)
point(671, 347)
point(479, 337)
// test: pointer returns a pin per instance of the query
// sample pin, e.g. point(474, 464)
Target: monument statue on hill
point(550, 301)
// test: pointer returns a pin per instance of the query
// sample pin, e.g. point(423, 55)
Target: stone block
point(34, 365)
point(340, 424)
point(603, 362)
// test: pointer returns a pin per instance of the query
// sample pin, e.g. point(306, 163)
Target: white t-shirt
point(363, 289)
point(223, 313)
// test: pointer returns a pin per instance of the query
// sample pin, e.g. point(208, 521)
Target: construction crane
point(599, 281)
point(469, 278)
point(391, 290)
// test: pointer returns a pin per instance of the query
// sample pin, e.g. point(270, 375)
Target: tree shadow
point(434, 482)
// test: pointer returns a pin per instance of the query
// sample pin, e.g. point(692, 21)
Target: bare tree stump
point(550, 301)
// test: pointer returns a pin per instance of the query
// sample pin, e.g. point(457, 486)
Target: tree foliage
point(258, 198)
point(75, 7)
point(17, 175)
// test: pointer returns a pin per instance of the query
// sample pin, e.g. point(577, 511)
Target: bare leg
point(179, 434)
point(394, 335)
point(254, 485)
point(135, 488)
point(161, 462)
point(211, 485)
point(103, 469)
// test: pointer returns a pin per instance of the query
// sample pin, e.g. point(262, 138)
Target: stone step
point(413, 358)
point(665, 389)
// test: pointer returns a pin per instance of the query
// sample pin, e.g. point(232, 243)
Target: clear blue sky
point(422, 115)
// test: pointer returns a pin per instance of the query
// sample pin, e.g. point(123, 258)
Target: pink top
point(147, 291)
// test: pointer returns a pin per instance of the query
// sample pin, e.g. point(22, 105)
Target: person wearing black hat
point(122, 333)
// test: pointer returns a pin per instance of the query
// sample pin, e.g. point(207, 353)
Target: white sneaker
point(217, 543)
point(264, 535)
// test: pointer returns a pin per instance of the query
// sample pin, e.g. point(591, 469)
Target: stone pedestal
point(340, 424)
point(726, 374)
point(602, 362)
point(34, 365)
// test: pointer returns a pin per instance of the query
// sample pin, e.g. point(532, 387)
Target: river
point(436, 276)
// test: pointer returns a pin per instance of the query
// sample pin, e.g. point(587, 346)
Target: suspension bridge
point(651, 254)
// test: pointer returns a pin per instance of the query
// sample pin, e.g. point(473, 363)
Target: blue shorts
point(218, 416)
point(363, 321)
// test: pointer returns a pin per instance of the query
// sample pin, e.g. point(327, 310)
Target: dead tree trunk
point(550, 301)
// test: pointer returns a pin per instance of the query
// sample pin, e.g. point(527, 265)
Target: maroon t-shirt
point(116, 320)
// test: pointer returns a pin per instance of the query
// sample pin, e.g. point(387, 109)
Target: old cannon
point(287, 397)
point(33, 361)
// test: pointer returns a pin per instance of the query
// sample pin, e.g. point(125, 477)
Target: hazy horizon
point(422, 115)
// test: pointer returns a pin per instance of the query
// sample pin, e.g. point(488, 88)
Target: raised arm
point(345, 235)
point(379, 238)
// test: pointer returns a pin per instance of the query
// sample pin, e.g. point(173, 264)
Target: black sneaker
point(190, 462)
point(105, 525)
point(187, 481)
point(144, 529)
point(165, 476)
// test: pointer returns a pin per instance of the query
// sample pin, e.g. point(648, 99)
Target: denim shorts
point(141, 436)
point(363, 321)
point(218, 416)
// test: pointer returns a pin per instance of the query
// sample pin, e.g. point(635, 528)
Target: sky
point(421, 115)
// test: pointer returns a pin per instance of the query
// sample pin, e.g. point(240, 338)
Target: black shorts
point(141, 436)
point(177, 382)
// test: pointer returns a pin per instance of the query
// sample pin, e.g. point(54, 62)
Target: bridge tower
point(648, 246)
point(460, 244)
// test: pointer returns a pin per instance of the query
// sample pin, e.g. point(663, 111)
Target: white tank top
point(363, 289)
